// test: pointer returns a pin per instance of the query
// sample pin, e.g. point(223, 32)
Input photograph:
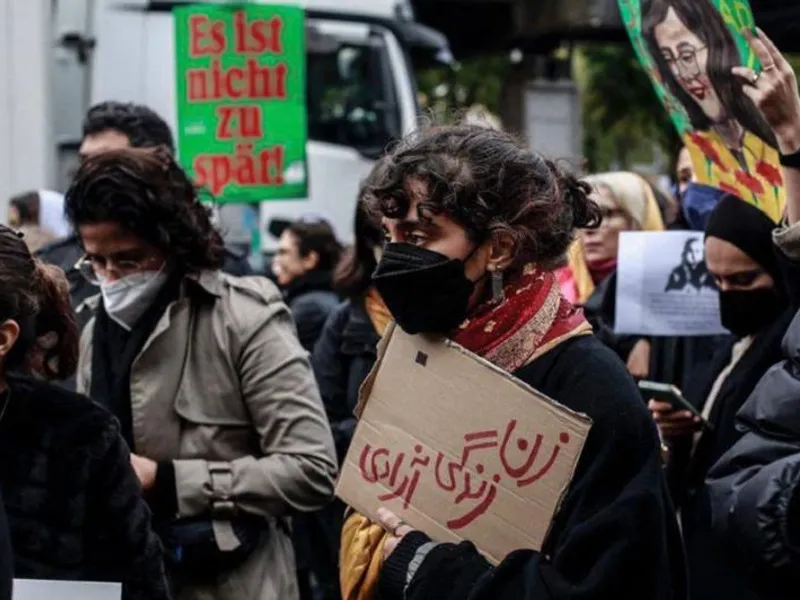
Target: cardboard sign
point(35, 589)
point(688, 47)
point(458, 448)
point(664, 287)
point(241, 80)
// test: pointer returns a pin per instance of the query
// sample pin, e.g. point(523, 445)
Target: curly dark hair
point(145, 191)
point(143, 126)
point(491, 184)
point(36, 297)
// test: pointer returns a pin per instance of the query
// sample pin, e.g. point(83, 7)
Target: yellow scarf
point(378, 312)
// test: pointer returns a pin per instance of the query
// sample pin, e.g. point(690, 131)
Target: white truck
point(360, 88)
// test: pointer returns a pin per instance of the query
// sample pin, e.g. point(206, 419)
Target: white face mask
point(126, 299)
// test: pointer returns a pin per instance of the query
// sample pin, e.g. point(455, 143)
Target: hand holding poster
point(689, 47)
point(427, 448)
point(241, 100)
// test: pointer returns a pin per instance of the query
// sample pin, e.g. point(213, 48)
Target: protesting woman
point(475, 223)
point(74, 505)
point(215, 395)
point(627, 203)
point(755, 308)
point(754, 489)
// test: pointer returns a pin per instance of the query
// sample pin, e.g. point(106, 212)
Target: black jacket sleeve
point(331, 368)
point(754, 486)
point(614, 536)
point(6, 557)
point(126, 542)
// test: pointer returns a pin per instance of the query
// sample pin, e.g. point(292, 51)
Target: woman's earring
point(498, 294)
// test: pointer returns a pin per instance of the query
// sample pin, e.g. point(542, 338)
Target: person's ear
point(501, 251)
point(310, 261)
point(9, 333)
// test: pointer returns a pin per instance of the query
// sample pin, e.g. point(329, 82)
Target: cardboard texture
point(458, 448)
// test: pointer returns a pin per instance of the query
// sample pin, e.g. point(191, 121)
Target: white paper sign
point(35, 589)
point(663, 286)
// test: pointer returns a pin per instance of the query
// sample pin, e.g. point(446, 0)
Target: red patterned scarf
point(533, 318)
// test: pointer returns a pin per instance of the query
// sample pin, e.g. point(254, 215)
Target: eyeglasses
point(96, 269)
point(685, 64)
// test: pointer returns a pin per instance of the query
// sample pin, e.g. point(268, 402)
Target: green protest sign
point(241, 78)
point(688, 48)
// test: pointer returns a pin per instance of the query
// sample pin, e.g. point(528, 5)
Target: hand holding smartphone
point(670, 394)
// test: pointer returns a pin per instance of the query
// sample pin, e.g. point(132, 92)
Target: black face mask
point(426, 291)
point(745, 312)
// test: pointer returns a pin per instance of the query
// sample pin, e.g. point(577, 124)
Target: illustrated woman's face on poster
point(687, 57)
point(693, 253)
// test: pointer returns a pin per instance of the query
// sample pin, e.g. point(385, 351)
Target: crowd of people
point(222, 401)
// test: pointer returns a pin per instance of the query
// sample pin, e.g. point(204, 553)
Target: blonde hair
point(633, 194)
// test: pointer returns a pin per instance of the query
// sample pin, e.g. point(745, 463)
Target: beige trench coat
point(223, 389)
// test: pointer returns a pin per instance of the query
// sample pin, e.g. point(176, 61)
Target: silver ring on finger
point(755, 78)
point(397, 528)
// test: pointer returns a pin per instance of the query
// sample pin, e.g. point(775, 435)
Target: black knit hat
point(749, 229)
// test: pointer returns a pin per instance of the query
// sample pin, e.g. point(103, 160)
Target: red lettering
point(234, 79)
point(225, 115)
point(258, 36)
point(523, 445)
point(197, 84)
point(197, 34)
point(281, 72)
point(276, 30)
point(240, 30)
point(250, 122)
point(218, 35)
point(201, 32)
point(405, 490)
point(239, 122)
point(470, 484)
point(450, 485)
point(265, 168)
point(220, 173)
point(371, 474)
point(272, 165)
point(200, 172)
point(253, 81)
point(480, 508)
point(547, 466)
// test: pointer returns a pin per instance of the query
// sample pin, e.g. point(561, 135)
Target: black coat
point(712, 574)
point(753, 488)
point(311, 299)
point(74, 505)
point(342, 359)
point(615, 534)
point(6, 557)
point(600, 310)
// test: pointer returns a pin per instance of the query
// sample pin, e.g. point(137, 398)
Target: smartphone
point(665, 392)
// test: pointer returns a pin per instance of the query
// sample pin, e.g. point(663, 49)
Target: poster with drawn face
point(664, 287)
point(688, 47)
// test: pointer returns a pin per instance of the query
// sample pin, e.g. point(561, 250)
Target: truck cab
point(361, 93)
